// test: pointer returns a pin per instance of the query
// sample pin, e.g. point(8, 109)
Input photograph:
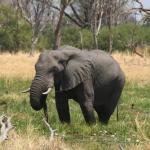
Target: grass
point(29, 125)
point(132, 131)
point(22, 66)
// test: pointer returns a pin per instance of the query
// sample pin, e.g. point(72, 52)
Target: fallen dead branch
point(6, 126)
point(52, 132)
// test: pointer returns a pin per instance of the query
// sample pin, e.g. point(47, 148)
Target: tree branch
point(76, 14)
point(19, 5)
point(141, 8)
point(52, 132)
point(67, 15)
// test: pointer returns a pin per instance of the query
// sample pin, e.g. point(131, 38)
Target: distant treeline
point(15, 35)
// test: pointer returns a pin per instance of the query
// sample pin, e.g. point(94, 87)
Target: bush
point(87, 39)
point(8, 27)
point(15, 33)
point(71, 36)
point(123, 36)
point(46, 40)
point(103, 39)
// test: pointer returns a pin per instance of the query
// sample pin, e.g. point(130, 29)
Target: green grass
point(123, 132)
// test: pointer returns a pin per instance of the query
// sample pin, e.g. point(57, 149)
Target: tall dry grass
point(22, 66)
point(136, 68)
point(31, 141)
point(18, 65)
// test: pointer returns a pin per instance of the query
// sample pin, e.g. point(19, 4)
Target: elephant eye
point(61, 62)
point(52, 69)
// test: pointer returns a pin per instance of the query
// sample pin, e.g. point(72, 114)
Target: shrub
point(70, 36)
point(15, 33)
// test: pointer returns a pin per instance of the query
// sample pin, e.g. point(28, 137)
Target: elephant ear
point(77, 70)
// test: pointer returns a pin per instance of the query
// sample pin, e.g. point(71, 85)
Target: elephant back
point(68, 47)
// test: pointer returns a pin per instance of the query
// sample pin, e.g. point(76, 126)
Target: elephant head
point(64, 69)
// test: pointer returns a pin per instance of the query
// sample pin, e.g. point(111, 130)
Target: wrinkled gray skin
point(92, 78)
point(68, 47)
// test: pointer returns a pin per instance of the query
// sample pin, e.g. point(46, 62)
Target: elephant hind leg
point(114, 98)
point(105, 111)
point(103, 114)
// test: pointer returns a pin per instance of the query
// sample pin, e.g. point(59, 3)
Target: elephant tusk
point(26, 91)
point(45, 93)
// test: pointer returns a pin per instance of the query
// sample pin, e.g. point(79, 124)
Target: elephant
point(93, 79)
point(68, 47)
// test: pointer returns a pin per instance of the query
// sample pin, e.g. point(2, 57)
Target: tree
point(8, 29)
point(141, 8)
point(57, 34)
point(37, 14)
point(84, 14)
point(93, 13)
point(89, 14)
point(96, 14)
point(114, 12)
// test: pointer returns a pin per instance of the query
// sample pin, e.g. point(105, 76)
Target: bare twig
point(142, 9)
point(69, 16)
point(52, 132)
point(76, 14)
point(121, 147)
point(6, 126)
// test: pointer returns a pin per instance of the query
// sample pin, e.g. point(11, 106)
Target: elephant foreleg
point(62, 107)
point(88, 113)
point(86, 101)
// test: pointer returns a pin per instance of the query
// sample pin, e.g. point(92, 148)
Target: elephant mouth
point(39, 90)
point(44, 93)
point(38, 97)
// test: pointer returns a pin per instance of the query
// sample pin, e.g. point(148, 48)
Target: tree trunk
point(110, 40)
point(81, 40)
point(110, 29)
point(57, 30)
point(95, 40)
point(94, 28)
point(33, 44)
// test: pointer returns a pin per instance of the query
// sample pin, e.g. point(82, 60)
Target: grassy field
point(132, 131)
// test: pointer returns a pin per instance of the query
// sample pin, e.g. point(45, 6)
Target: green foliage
point(123, 36)
point(87, 39)
point(15, 34)
point(46, 40)
point(89, 137)
point(103, 39)
point(70, 36)
point(8, 24)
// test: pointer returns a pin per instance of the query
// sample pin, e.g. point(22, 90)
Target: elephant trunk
point(37, 99)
